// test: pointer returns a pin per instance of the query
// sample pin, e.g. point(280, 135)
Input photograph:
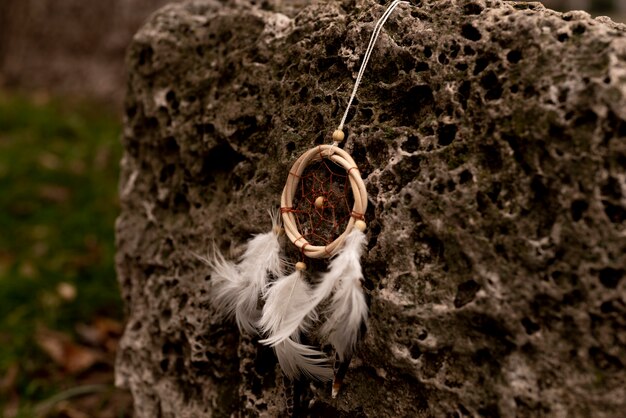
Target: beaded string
point(339, 135)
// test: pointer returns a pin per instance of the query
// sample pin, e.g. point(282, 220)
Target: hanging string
point(366, 57)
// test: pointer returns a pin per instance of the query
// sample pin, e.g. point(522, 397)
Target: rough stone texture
point(492, 138)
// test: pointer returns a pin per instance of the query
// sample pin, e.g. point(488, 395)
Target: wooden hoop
point(342, 158)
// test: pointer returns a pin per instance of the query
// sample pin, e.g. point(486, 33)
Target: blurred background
point(61, 94)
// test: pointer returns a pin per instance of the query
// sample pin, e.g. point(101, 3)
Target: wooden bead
point(319, 202)
point(338, 135)
point(300, 266)
point(360, 225)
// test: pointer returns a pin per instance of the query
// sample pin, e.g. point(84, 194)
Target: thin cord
point(366, 57)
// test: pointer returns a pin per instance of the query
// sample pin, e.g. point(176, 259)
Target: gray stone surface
point(492, 138)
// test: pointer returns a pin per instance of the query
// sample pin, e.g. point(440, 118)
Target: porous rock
point(491, 136)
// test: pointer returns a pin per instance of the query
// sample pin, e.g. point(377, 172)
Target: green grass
point(58, 203)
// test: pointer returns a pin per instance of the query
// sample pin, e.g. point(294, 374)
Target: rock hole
point(179, 366)
point(482, 203)
point(166, 314)
point(610, 277)
point(524, 6)
point(491, 83)
point(205, 128)
point(465, 90)
point(415, 352)
point(562, 37)
point(470, 32)
point(494, 191)
point(421, 67)
point(367, 113)
point(442, 58)
point(145, 55)
point(472, 9)
point(579, 29)
point(468, 50)
point(491, 157)
point(411, 144)
point(222, 158)
point(181, 204)
point(184, 298)
point(152, 123)
point(428, 52)
point(489, 411)
point(615, 213)
point(481, 356)
point(540, 191)
point(573, 298)
point(605, 361)
point(481, 64)
point(608, 307)
point(612, 189)
point(578, 209)
point(588, 119)
point(418, 99)
point(446, 133)
point(131, 111)
point(439, 187)
point(304, 93)
point(466, 292)
point(167, 172)
point(171, 146)
point(172, 100)
point(530, 326)
point(465, 176)
point(291, 146)
point(514, 56)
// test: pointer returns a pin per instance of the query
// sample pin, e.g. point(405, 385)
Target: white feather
point(295, 358)
point(347, 309)
point(227, 288)
point(237, 288)
point(287, 308)
point(285, 316)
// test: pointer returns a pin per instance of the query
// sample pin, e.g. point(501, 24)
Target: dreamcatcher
point(324, 183)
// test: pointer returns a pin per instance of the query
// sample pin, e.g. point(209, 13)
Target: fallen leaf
point(103, 332)
point(53, 193)
point(28, 269)
point(49, 161)
point(65, 409)
point(67, 291)
point(7, 382)
point(71, 356)
point(109, 326)
point(11, 408)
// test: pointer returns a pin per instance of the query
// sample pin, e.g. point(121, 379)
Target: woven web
point(322, 225)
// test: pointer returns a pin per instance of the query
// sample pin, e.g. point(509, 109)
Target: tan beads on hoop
point(338, 135)
point(341, 158)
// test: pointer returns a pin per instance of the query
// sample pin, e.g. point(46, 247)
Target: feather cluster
point(291, 305)
point(348, 308)
point(237, 287)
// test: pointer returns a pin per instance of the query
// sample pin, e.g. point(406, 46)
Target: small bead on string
point(338, 134)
